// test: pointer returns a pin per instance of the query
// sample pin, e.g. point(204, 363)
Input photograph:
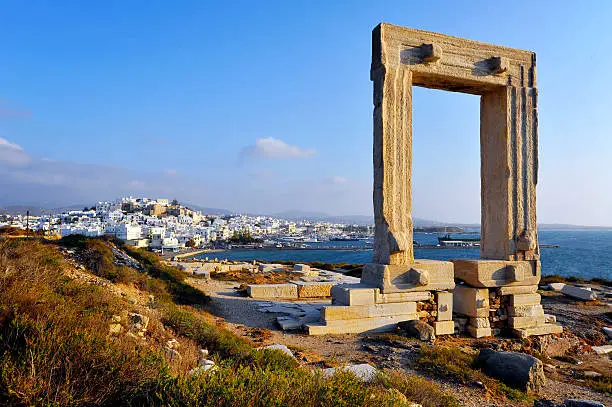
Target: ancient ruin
point(498, 290)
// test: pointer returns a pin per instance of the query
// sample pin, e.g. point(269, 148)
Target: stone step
point(379, 324)
point(346, 312)
point(539, 330)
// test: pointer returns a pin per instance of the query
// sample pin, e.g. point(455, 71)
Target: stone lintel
point(449, 63)
point(421, 275)
point(498, 273)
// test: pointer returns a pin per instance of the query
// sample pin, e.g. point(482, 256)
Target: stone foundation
point(501, 296)
point(388, 295)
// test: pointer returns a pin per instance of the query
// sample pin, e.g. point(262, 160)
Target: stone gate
point(505, 80)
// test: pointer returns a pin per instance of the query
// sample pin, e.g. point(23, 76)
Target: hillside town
point(164, 225)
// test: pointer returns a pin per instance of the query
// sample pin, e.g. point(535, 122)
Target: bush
point(173, 278)
point(53, 344)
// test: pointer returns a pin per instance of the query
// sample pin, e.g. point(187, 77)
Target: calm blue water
point(581, 253)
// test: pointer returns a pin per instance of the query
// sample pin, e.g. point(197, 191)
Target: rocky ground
point(568, 358)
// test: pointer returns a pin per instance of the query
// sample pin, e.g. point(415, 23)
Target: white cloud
point(12, 154)
point(270, 147)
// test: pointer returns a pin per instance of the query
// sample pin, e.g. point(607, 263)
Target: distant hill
point(38, 210)
point(208, 211)
point(349, 219)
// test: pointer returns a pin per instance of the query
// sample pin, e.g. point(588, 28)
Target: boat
point(344, 239)
point(449, 241)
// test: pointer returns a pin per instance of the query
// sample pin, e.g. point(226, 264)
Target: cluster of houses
point(160, 224)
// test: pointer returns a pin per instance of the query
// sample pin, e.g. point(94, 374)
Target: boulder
point(515, 369)
point(608, 332)
point(364, 372)
point(582, 403)
point(418, 329)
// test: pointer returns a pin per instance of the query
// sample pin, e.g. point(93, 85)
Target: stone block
point(526, 311)
point(498, 273)
point(444, 327)
point(335, 312)
point(518, 289)
point(301, 267)
point(403, 297)
point(602, 350)
point(353, 294)
point(480, 322)
point(421, 275)
point(518, 300)
point(550, 319)
point(267, 268)
point(444, 301)
point(313, 289)
point(473, 302)
point(526, 322)
point(538, 330)
point(272, 291)
point(578, 292)
point(479, 332)
point(379, 324)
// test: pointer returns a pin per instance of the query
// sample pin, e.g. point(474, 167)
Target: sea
point(580, 253)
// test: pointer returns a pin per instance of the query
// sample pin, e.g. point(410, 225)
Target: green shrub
point(174, 279)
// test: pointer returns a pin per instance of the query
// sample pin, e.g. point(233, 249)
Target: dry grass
point(458, 366)
point(247, 277)
point(55, 349)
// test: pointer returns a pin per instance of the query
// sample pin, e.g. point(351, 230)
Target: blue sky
point(267, 106)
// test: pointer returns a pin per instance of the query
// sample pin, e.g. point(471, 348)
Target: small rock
point(115, 329)
point(116, 318)
point(203, 353)
point(608, 332)
point(602, 350)
point(479, 384)
point(196, 371)
point(138, 321)
point(205, 362)
point(172, 344)
point(172, 354)
point(364, 372)
point(591, 373)
point(279, 347)
point(418, 329)
point(370, 348)
point(517, 370)
point(544, 403)
point(548, 368)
